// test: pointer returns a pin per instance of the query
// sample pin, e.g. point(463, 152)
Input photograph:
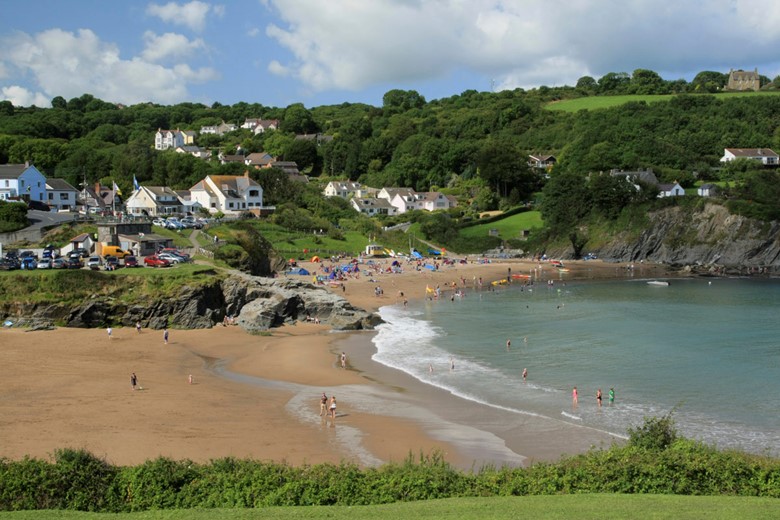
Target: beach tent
point(416, 254)
point(429, 266)
point(299, 270)
point(433, 252)
point(315, 259)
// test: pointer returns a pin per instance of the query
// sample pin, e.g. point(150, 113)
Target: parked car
point(83, 253)
point(28, 262)
point(170, 257)
point(156, 261)
point(111, 263)
point(74, 263)
point(6, 264)
point(158, 222)
point(59, 263)
point(94, 263)
point(115, 251)
point(173, 223)
point(131, 261)
point(27, 254)
point(171, 250)
point(45, 263)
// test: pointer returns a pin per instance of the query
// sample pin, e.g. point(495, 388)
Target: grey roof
point(12, 171)
point(59, 185)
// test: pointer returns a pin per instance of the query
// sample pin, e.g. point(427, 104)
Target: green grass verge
point(586, 506)
point(68, 286)
point(597, 102)
point(510, 227)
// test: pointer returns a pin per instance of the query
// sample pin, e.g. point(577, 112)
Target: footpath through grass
point(583, 507)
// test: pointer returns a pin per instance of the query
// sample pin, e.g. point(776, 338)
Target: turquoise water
point(708, 350)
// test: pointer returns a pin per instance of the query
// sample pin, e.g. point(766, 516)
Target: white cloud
point(254, 31)
point(276, 68)
point(21, 97)
point(349, 44)
point(192, 14)
point(70, 64)
point(169, 46)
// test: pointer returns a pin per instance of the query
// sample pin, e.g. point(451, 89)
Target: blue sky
point(322, 52)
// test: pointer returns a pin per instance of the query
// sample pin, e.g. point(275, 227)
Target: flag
point(116, 189)
point(136, 186)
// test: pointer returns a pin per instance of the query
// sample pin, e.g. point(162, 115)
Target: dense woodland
point(474, 145)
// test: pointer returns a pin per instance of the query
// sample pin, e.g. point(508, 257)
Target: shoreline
point(257, 396)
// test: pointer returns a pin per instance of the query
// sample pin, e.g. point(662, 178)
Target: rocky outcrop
point(709, 236)
point(255, 303)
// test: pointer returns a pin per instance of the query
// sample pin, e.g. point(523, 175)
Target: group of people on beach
point(328, 409)
point(599, 397)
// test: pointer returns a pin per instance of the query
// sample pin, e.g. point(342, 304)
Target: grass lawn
point(510, 227)
point(584, 506)
point(596, 102)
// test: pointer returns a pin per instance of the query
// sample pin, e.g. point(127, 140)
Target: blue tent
point(433, 252)
point(298, 270)
point(416, 254)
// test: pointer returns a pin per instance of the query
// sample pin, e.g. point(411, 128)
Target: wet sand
point(257, 396)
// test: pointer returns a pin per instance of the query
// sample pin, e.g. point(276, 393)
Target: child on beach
point(611, 396)
point(574, 396)
point(333, 407)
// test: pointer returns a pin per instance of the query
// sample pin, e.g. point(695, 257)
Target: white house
point(765, 155)
point(230, 194)
point(265, 124)
point(165, 139)
point(22, 182)
point(343, 189)
point(670, 190)
point(707, 190)
point(373, 206)
point(195, 151)
point(61, 195)
point(406, 199)
point(154, 201)
point(541, 161)
point(219, 129)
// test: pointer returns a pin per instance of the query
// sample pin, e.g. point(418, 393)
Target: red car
point(156, 261)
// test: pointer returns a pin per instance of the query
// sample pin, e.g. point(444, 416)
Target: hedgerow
point(655, 460)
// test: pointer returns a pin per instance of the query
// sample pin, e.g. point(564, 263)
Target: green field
point(586, 506)
point(510, 227)
point(596, 102)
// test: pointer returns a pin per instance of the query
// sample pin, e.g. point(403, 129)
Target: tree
point(59, 102)
point(709, 81)
point(645, 81)
point(502, 165)
point(614, 83)
point(397, 100)
point(566, 201)
point(297, 120)
point(303, 152)
point(587, 84)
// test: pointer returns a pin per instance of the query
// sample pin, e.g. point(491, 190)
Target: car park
point(171, 250)
point(173, 223)
point(158, 222)
point(83, 253)
point(74, 263)
point(131, 261)
point(94, 263)
point(27, 254)
point(44, 263)
point(59, 263)
point(156, 261)
point(170, 257)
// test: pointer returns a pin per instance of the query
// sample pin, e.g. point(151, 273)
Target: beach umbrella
point(315, 259)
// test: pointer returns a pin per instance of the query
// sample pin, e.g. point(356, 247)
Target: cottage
point(165, 139)
point(766, 156)
point(707, 190)
point(373, 206)
point(670, 190)
point(542, 161)
point(343, 189)
point(741, 80)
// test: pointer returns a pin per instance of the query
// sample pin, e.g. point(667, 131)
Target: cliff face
point(256, 303)
point(710, 236)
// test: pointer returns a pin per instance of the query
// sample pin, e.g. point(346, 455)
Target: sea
point(706, 350)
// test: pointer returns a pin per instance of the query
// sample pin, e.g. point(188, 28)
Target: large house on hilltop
point(165, 139)
point(767, 156)
point(406, 199)
point(230, 194)
point(741, 80)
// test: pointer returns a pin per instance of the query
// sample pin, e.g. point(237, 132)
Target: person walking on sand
point(165, 335)
point(343, 360)
point(189, 379)
point(611, 396)
point(333, 407)
point(598, 397)
point(525, 374)
point(138, 327)
point(133, 380)
point(323, 404)
point(574, 398)
point(110, 331)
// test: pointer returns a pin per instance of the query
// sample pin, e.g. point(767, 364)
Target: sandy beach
point(257, 396)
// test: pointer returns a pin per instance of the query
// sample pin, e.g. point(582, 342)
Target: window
point(51, 196)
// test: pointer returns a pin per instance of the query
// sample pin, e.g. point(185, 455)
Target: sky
point(326, 52)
